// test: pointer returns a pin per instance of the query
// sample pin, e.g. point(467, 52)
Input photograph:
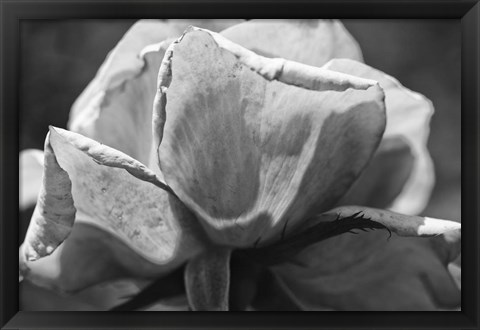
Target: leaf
point(248, 142)
point(207, 280)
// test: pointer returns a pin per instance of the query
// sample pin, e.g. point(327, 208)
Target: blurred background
point(59, 58)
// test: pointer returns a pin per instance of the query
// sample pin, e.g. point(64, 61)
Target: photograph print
point(240, 165)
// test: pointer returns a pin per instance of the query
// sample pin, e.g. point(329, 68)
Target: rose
point(217, 158)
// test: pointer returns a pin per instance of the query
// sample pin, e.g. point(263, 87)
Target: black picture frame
point(12, 11)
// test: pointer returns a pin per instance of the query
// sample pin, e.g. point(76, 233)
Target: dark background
point(59, 58)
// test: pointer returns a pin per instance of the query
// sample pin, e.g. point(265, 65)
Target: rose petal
point(408, 118)
point(207, 280)
point(31, 172)
point(128, 105)
point(384, 177)
point(54, 213)
point(311, 42)
point(369, 272)
point(211, 24)
point(249, 142)
point(122, 197)
point(89, 256)
point(124, 88)
point(123, 62)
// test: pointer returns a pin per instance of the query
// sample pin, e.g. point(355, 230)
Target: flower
point(260, 145)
